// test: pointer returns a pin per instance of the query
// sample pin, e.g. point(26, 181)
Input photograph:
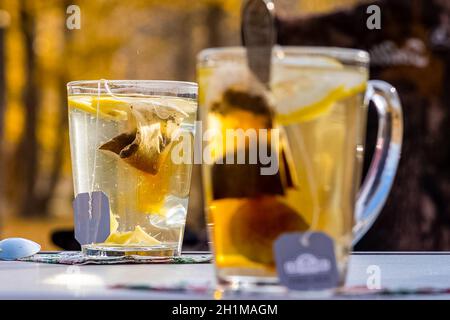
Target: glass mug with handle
point(315, 115)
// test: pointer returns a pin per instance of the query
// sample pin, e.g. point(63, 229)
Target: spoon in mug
point(16, 248)
point(258, 35)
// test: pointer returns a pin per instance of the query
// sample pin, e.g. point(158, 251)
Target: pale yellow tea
point(121, 145)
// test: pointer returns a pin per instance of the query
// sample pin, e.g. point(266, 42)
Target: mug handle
point(379, 178)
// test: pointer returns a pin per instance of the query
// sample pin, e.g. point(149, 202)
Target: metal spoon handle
point(258, 36)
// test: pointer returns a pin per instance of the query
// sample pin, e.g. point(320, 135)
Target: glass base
point(250, 283)
point(248, 280)
point(162, 251)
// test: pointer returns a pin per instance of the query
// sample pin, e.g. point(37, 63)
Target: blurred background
point(151, 39)
point(136, 39)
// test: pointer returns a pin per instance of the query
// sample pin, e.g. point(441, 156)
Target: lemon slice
point(136, 237)
point(183, 105)
point(310, 62)
point(118, 238)
point(113, 223)
point(105, 106)
point(306, 89)
point(118, 108)
point(140, 237)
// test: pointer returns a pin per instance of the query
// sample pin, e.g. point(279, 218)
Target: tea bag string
point(97, 116)
point(154, 104)
point(94, 164)
point(108, 90)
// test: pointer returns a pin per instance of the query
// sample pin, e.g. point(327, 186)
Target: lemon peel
point(106, 107)
point(136, 237)
point(312, 111)
point(342, 85)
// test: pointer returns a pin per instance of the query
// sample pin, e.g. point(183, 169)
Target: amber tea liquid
point(318, 107)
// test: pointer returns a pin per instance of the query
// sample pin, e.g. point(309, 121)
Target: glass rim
point(160, 84)
point(349, 54)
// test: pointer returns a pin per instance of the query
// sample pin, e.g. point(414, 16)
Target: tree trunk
point(184, 48)
point(27, 151)
point(2, 117)
point(214, 17)
point(58, 152)
point(45, 196)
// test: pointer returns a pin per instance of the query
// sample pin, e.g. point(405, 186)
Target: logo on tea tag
point(306, 261)
point(92, 217)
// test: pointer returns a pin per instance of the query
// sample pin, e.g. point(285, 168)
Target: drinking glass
point(314, 118)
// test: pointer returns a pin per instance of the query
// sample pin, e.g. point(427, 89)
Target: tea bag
point(147, 144)
point(245, 180)
point(236, 98)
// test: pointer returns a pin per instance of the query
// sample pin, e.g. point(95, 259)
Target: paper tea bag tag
point(92, 217)
point(306, 261)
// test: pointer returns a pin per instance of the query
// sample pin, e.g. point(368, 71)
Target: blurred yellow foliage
point(133, 39)
point(136, 39)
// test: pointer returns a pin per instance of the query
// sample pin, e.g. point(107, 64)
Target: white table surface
point(26, 280)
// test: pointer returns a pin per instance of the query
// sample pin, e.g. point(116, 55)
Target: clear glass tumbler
point(122, 137)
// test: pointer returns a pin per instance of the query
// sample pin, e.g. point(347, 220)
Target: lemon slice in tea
point(304, 89)
point(140, 237)
point(136, 237)
point(106, 107)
